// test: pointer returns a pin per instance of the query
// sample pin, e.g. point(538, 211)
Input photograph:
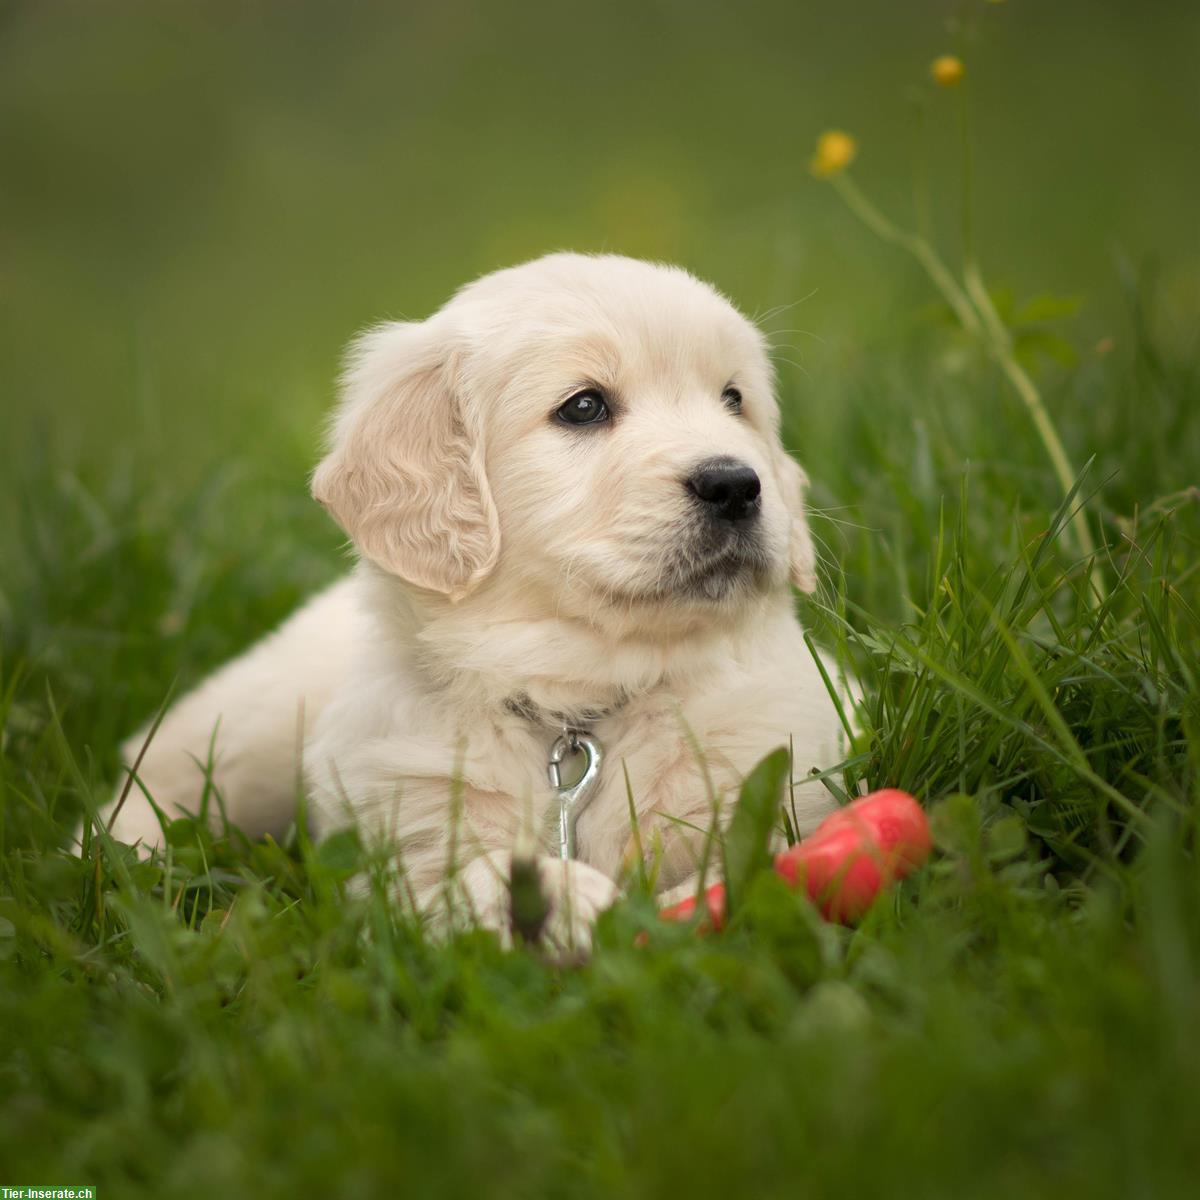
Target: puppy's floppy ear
point(404, 473)
point(801, 555)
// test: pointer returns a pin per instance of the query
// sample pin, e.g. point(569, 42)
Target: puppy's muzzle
point(728, 489)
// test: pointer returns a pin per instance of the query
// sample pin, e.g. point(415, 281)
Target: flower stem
point(977, 315)
point(1001, 347)
point(968, 171)
point(917, 246)
point(1001, 343)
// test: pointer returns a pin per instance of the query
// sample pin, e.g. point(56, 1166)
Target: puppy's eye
point(732, 399)
point(584, 408)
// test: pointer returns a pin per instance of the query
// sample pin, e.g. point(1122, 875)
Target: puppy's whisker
point(770, 313)
point(816, 337)
point(791, 362)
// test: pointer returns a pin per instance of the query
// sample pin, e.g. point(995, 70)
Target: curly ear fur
point(802, 557)
point(404, 474)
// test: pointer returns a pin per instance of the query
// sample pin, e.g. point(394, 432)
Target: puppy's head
point(595, 434)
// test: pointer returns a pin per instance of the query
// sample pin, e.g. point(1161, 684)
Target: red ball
point(844, 864)
point(714, 903)
point(858, 851)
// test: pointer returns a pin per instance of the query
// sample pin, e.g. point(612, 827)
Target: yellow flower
point(835, 152)
point(947, 71)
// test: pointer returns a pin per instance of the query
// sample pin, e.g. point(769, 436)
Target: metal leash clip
point(573, 798)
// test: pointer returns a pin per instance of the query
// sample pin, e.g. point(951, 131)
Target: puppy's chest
point(640, 754)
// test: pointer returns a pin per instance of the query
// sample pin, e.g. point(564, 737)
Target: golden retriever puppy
point(572, 510)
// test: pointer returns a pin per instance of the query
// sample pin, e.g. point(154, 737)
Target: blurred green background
point(201, 202)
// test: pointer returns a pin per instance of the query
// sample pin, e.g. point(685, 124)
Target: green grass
point(1016, 1020)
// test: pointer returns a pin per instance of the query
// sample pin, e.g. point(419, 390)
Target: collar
point(580, 719)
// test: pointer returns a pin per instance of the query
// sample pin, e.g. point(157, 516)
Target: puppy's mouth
point(715, 568)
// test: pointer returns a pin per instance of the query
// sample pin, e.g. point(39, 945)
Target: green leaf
point(214, 921)
point(145, 876)
point(1030, 344)
point(184, 831)
point(746, 845)
point(59, 875)
point(1047, 307)
point(954, 824)
point(341, 852)
point(787, 923)
point(1006, 839)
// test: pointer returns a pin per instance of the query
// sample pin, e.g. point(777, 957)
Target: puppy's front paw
point(561, 900)
point(578, 894)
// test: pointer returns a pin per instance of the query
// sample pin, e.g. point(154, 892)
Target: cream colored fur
point(505, 555)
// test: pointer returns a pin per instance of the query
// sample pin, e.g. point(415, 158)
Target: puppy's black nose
point(729, 488)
